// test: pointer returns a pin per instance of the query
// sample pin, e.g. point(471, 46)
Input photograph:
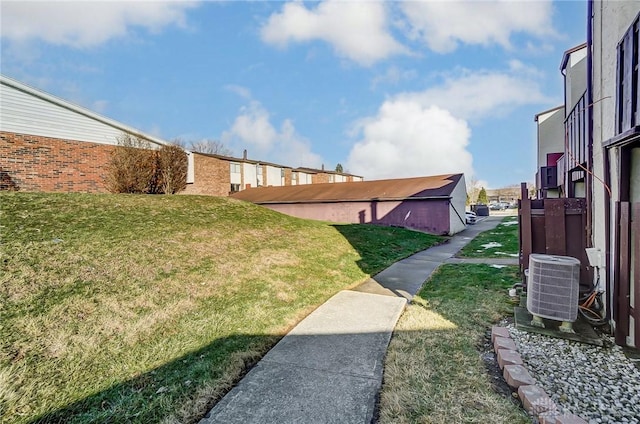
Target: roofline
point(326, 171)
point(547, 111)
point(79, 109)
point(384, 199)
point(234, 159)
point(260, 162)
point(567, 54)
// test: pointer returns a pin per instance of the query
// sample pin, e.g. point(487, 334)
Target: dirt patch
point(490, 361)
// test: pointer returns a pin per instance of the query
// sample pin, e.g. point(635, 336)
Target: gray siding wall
point(25, 113)
point(550, 135)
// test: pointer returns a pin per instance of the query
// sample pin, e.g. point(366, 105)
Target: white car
point(471, 217)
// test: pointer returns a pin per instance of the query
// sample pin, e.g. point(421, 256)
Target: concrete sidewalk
point(404, 278)
point(328, 369)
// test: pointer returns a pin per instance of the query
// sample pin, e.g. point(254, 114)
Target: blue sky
point(387, 89)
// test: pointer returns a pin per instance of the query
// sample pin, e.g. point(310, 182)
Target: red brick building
point(49, 144)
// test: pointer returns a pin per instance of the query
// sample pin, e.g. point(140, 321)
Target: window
point(627, 94)
point(282, 173)
point(258, 170)
point(331, 178)
point(294, 176)
point(235, 188)
point(235, 168)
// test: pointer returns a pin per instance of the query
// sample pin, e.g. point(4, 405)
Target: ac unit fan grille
point(553, 286)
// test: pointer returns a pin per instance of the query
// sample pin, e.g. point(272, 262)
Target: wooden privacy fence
point(627, 272)
point(555, 227)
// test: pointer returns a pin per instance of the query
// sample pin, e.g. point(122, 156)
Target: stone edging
point(534, 399)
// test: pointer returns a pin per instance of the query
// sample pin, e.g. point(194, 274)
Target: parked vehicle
point(471, 217)
point(499, 206)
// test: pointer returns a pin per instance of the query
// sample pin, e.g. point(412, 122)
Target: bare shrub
point(133, 167)
point(172, 161)
point(136, 168)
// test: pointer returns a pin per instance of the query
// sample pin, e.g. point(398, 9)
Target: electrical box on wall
point(595, 256)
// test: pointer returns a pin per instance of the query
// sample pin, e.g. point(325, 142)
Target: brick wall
point(212, 176)
point(35, 163)
point(287, 176)
point(320, 178)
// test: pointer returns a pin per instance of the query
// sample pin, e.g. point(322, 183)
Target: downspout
point(606, 169)
point(607, 233)
point(588, 177)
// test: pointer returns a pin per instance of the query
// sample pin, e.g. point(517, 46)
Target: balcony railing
point(576, 149)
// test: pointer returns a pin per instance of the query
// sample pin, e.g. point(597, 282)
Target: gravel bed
point(599, 384)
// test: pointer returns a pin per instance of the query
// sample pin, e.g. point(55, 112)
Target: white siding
point(274, 176)
point(611, 21)
point(30, 112)
point(576, 78)
point(550, 135)
point(340, 178)
point(235, 177)
point(304, 178)
point(457, 207)
point(250, 176)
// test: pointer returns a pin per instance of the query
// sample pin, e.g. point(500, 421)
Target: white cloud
point(356, 30)
point(253, 130)
point(83, 24)
point(394, 75)
point(442, 25)
point(100, 106)
point(427, 132)
point(252, 126)
point(241, 91)
point(480, 94)
point(407, 139)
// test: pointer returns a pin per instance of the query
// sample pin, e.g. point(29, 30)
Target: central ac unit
point(552, 289)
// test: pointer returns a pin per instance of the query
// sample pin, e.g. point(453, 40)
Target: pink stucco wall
point(426, 215)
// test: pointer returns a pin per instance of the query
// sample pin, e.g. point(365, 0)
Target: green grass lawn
point(148, 308)
point(501, 242)
point(433, 369)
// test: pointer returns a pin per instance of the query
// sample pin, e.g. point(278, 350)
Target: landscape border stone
point(508, 357)
point(534, 399)
point(503, 343)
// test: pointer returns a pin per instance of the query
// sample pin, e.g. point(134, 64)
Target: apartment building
point(595, 163)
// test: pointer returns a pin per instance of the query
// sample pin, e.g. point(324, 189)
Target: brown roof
point(438, 186)
point(242, 160)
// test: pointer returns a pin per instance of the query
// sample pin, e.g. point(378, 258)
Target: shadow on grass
point(379, 246)
point(314, 377)
point(149, 396)
point(465, 299)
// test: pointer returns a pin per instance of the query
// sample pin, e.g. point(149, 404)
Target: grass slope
point(147, 308)
point(433, 369)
